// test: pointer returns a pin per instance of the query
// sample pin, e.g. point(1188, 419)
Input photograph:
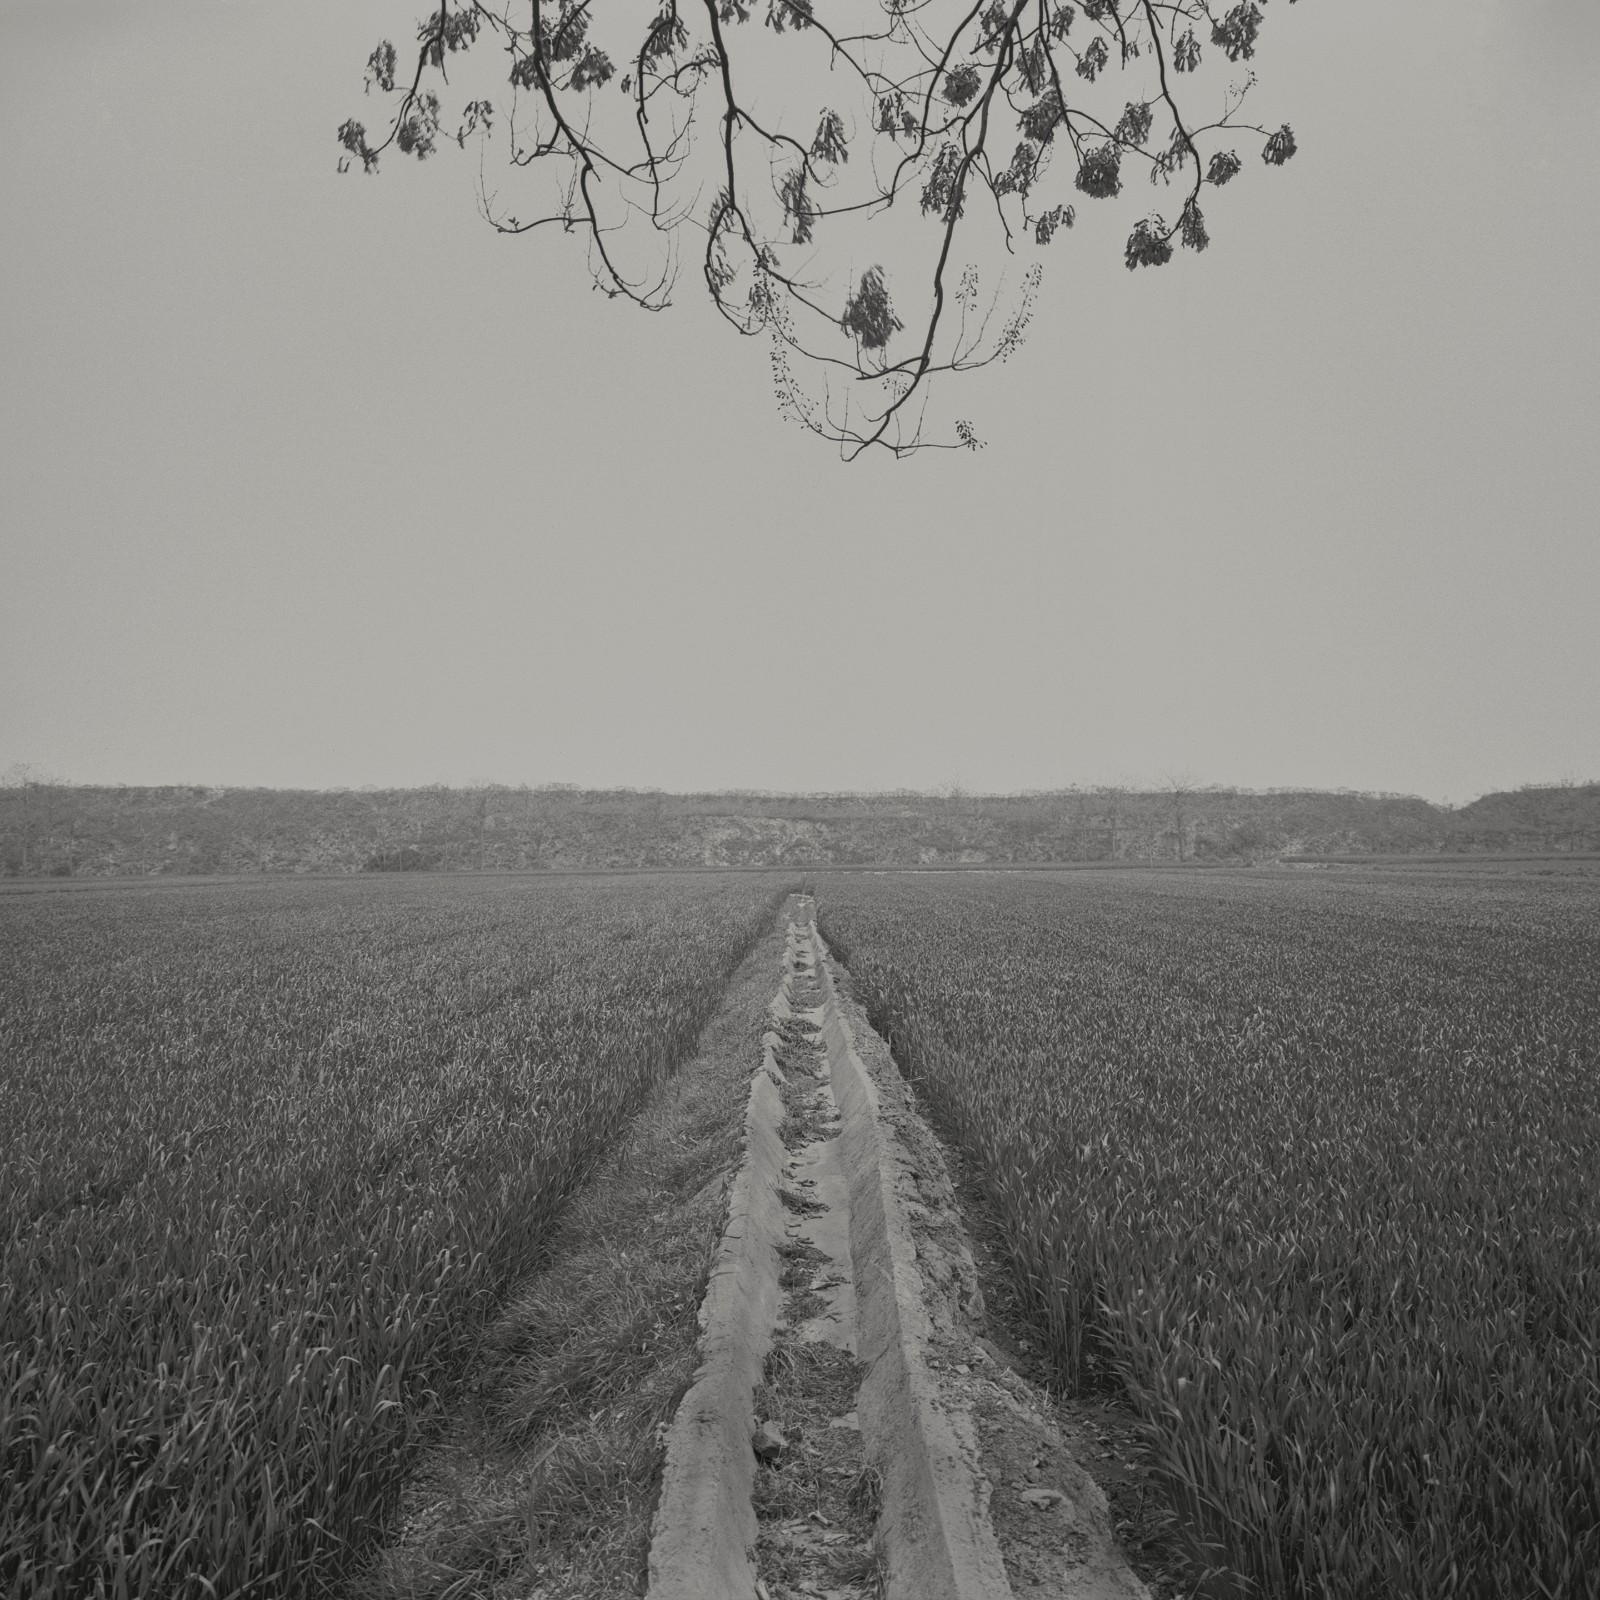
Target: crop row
point(1312, 1169)
point(268, 1154)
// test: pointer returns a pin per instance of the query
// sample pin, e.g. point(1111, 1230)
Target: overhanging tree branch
point(803, 241)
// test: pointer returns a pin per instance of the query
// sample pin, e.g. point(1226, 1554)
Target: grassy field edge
point(548, 1478)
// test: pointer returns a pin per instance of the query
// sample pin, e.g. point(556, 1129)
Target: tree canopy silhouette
point(835, 171)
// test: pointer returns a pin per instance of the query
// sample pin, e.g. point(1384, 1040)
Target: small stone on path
point(1042, 1499)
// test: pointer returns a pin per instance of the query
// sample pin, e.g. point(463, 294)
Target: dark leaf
point(796, 205)
point(455, 31)
point(478, 114)
point(722, 219)
point(1237, 31)
point(868, 314)
point(667, 34)
point(1100, 172)
point(961, 86)
point(381, 67)
point(1018, 177)
point(1134, 128)
point(565, 39)
point(1148, 245)
point(794, 14)
point(1171, 160)
point(1042, 118)
point(593, 70)
point(1224, 165)
point(1192, 227)
point(1034, 66)
point(1093, 59)
point(461, 29)
point(354, 138)
point(415, 135)
point(829, 143)
point(993, 26)
point(939, 192)
point(1279, 147)
point(1044, 229)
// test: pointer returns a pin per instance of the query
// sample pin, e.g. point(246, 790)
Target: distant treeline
point(70, 829)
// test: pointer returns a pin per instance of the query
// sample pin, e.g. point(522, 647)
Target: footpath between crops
point(849, 1430)
point(757, 1361)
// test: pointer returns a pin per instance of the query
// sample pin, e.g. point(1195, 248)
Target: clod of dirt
point(768, 1442)
point(992, 1352)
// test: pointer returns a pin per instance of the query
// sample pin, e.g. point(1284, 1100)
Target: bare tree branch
point(821, 130)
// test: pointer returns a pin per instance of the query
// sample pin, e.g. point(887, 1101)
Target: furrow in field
point(848, 1433)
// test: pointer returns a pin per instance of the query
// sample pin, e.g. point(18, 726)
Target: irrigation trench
point(846, 1427)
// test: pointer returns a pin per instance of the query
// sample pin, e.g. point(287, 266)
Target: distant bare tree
point(1116, 795)
point(1180, 789)
point(33, 790)
point(665, 127)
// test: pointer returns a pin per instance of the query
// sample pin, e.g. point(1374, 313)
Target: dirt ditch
point(816, 1498)
point(898, 1452)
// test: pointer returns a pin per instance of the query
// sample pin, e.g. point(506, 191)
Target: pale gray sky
point(313, 480)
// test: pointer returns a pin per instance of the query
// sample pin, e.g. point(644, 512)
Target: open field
point(1308, 1163)
point(271, 1152)
point(1302, 1162)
